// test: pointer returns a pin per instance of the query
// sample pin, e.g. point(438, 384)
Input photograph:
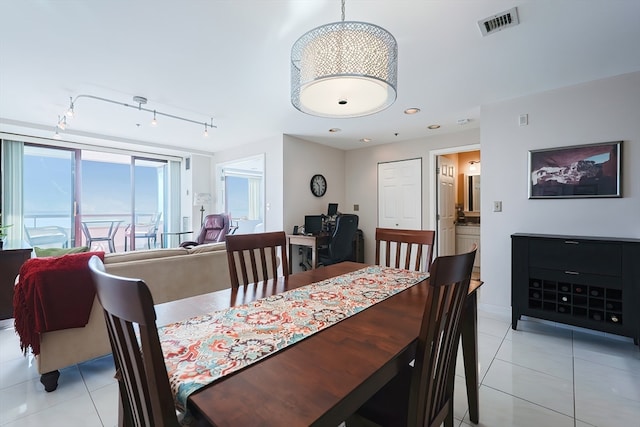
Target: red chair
point(214, 229)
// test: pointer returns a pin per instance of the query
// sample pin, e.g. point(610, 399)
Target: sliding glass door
point(49, 196)
point(110, 202)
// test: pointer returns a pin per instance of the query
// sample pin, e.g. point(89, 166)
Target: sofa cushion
point(209, 247)
point(113, 258)
point(46, 252)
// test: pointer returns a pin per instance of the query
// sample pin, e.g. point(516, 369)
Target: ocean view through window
point(64, 187)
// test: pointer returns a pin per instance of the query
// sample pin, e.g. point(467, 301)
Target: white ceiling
point(230, 60)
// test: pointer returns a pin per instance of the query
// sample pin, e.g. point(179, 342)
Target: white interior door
point(446, 207)
point(400, 194)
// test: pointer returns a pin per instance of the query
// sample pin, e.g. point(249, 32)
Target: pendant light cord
point(343, 10)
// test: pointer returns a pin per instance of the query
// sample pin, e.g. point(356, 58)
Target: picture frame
point(580, 171)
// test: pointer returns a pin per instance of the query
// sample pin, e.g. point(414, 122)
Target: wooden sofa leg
point(50, 380)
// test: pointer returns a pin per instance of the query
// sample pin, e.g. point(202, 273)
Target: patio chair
point(146, 230)
point(46, 236)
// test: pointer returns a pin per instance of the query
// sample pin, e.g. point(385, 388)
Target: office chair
point(341, 245)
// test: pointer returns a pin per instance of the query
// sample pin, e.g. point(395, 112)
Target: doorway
point(241, 193)
point(465, 230)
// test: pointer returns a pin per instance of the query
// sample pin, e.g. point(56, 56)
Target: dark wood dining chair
point(254, 257)
point(145, 393)
point(416, 245)
point(422, 395)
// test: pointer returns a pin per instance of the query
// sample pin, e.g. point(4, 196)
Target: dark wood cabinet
point(10, 262)
point(591, 282)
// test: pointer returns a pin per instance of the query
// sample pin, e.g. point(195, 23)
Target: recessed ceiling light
point(432, 127)
point(412, 110)
point(333, 130)
point(365, 140)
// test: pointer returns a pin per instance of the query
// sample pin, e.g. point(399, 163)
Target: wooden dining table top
point(320, 380)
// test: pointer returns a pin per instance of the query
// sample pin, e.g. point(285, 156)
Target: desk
point(312, 242)
point(173, 233)
point(328, 376)
point(112, 228)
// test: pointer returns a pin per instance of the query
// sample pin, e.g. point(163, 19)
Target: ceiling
point(230, 61)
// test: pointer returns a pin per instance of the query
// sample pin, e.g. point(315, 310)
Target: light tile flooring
point(544, 374)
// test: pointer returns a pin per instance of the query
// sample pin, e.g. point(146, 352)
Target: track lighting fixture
point(139, 100)
point(70, 111)
point(62, 122)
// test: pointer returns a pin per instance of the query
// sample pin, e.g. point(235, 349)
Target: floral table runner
point(202, 349)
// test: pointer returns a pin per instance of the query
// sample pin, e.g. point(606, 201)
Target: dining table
point(324, 378)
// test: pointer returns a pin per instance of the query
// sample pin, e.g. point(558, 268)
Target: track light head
point(70, 111)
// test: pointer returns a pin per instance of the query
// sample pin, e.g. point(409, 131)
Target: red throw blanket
point(52, 294)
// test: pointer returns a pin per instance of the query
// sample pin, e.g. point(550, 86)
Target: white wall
point(197, 181)
point(599, 111)
point(361, 169)
point(302, 160)
point(272, 149)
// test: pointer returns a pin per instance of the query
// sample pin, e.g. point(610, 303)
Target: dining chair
point(411, 249)
point(254, 257)
point(145, 393)
point(422, 395)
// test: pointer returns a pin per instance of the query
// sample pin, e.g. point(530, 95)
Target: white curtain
point(12, 200)
point(254, 197)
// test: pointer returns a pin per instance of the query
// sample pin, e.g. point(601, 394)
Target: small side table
point(173, 233)
point(10, 262)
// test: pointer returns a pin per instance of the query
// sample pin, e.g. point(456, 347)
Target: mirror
point(472, 193)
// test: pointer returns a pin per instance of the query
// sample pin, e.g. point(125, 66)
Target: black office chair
point(341, 245)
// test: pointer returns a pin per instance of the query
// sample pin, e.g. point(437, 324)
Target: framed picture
point(579, 171)
point(450, 170)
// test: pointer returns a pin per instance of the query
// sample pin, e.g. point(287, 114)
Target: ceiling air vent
point(498, 22)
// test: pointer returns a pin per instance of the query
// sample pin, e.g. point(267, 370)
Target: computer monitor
point(313, 224)
point(333, 209)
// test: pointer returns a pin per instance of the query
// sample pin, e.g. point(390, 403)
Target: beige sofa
point(170, 274)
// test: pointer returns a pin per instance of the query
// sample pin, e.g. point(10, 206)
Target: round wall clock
point(318, 185)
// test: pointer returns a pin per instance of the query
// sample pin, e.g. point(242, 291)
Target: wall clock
point(318, 185)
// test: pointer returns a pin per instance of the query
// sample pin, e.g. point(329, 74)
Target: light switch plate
point(497, 206)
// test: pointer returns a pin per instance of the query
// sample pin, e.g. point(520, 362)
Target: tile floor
point(544, 374)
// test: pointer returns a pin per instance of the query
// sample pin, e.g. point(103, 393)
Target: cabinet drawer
point(576, 256)
point(605, 281)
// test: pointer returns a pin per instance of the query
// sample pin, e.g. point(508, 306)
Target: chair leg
point(125, 243)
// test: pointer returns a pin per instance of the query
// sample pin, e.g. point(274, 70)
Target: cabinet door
point(464, 243)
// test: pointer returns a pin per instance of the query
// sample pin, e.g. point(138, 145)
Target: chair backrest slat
point(259, 252)
point(145, 392)
point(432, 380)
point(407, 243)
